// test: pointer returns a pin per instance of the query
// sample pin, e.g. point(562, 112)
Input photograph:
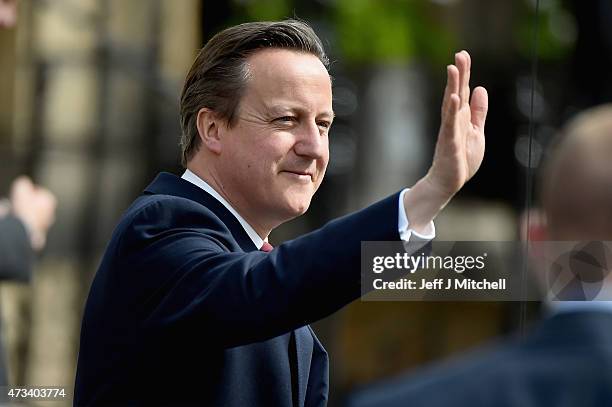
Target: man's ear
point(209, 130)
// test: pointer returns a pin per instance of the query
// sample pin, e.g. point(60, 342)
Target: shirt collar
point(557, 307)
point(601, 300)
point(199, 182)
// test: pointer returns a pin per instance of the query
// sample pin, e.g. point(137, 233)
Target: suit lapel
point(169, 184)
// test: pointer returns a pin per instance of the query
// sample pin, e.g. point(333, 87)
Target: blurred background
point(89, 95)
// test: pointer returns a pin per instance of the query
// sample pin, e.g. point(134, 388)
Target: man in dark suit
point(190, 305)
point(567, 359)
point(25, 219)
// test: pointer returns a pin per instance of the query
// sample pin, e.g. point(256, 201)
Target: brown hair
point(219, 73)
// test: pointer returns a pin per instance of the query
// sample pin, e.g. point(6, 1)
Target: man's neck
point(215, 183)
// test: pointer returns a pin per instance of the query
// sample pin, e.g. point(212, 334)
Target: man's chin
point(299, 211)
point(296, 208)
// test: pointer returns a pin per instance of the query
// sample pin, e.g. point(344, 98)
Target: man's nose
point(311, 142)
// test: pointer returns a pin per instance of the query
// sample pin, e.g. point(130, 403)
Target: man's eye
point(285, 119)
point(324, 124)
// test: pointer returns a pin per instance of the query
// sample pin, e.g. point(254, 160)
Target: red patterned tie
point(266, 247)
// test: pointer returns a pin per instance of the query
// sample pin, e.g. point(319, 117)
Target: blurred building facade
point(89, 108)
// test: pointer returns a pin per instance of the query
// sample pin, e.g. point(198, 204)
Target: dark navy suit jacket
point(185, 311)
point(565, 362)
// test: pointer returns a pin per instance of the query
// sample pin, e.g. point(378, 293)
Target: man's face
point(274, 157)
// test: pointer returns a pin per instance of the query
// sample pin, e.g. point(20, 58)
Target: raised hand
point(35, 207)
point(461, 140)
point(459, 149)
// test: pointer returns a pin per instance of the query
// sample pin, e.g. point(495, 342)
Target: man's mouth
point(301, 175)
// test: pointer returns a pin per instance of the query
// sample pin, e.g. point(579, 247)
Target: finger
point(479, 107)
point(455, 105)
point(449, 122)
point(468, 76)
point(447, 91)
point(461, 60)
point(452, 87)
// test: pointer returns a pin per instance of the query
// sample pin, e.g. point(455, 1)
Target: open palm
point(461, 141)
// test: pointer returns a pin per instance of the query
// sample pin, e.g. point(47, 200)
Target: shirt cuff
point(403, 226)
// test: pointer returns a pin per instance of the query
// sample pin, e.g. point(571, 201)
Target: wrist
point(423, 202)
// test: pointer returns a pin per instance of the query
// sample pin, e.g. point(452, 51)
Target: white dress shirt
point(403, 225)
point(199, 182)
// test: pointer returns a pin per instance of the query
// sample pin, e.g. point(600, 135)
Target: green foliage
point(374, 31)
point(267, 10)
point(556, 32)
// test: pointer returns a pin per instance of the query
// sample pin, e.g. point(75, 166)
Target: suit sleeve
point(184, 278)
point(16, 254)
